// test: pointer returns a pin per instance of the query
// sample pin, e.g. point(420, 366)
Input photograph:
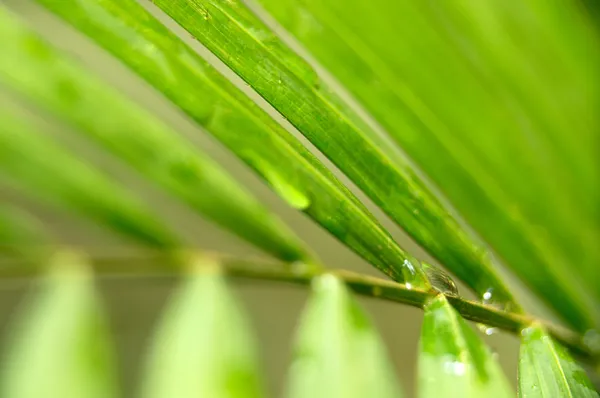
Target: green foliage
point(338, 353)
point(62, 347)
point(480, 95)
point(453, 360)
point(202, 347)
point(494, 102)
point(547, 370)
point(135, 37)
point(227, 28)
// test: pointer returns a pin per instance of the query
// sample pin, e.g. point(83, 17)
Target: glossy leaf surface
point(453, 360)
point(546, 369)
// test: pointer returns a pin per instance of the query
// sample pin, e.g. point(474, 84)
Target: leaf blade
point(202, 346)
point(64, 320)
point(547, 370)
point(54, 83)
point(517, 206)
point(25, 152)
point(453, 361)
point(235, 120)
point(292, 87)
point(338, 353)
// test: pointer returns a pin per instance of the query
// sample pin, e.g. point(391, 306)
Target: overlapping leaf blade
point(61, 346)
point(453, 360)
point(495, 106)
point(228, 29)
point(202, 347)
point(20, 232)
point(547, 370)
point(338, 353)
point(47, 78)
point(36, 163)
point(139, 40)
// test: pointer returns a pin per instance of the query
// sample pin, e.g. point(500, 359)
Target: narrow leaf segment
point(35, 163)
point(247, 46)
point(338, 353)
point(129, 32)
point(46, 77)
point(547, 370)
point(497, 105)
point(60, 346)
point(203, 346)
point(453, 361)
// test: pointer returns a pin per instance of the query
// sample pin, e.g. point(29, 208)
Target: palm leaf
point(457, 69)
point(45, 77)
point(227, 28)
point(453, 361)
point(484, 115)
point(61, 347)
point(28, 157)
point(547, 370)
point(338, 353)
point(214, 103)
point(202, 347)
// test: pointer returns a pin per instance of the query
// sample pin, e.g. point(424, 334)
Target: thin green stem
point(159, 264)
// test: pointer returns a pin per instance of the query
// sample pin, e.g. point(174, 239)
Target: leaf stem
point(149, 264)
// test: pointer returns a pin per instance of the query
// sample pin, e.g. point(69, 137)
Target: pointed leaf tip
point(203, 346)
point(453, 360)
point(61, 346)
point(338, 353)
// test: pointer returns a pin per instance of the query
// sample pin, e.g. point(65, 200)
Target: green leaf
point(47, 78)
point(338, 353)
point(202, 347)
point(35, 163)
point(246, 45)
point(60, 346)
point(487, 98)
point(20, 232)
point(453, 360)
point(125, 29)
point(547, 370)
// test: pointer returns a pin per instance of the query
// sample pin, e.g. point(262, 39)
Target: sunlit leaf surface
point(202, 347)
point(338, 353)
point(496, 102)
point(547, 370)
point(453, 360)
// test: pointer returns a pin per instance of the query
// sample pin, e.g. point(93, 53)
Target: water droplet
point(487, 296)
point(456, 368)
point(487, 330)
point(288, 192)
point(411, 276)
point(410, 267)
point(495, 355)
point(204, 13)
point(440, 280)
point(408, 286)
point(525, 332)
point(490, 331)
